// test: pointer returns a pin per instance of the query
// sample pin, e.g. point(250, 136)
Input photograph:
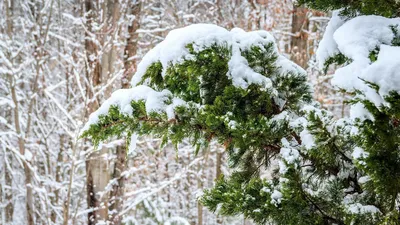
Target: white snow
point(285, 65)
point(356, 39)
point(359, 153)
point(28, 155)
point(266, 190)
point(282, 167)
point(132, 143)
point(307, 140)
point(364, 179)
point(276, 197)
point(173, 50)
point(359, 111)
point(358, 208)
point(284, 115)
point(154, 102)
point(327, 46)
point(177, 220)
point(385, 71)
point(232, 125)
point(289, 154)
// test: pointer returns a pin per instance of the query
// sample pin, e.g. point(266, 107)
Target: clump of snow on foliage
point(358, 111)
point(359, 36)
point(364, 179)
point(357, 39)
point(367, 34)
point(266, 189)
point(282, 167)
point(359, 154)
point(302, 123)
point(358, 208)
point(327, 46)
point(173, 50)
point(307, 139)
point(385, 71)
point(288, 153)
point(276, 197)
point(132, 143)
point(154, 101)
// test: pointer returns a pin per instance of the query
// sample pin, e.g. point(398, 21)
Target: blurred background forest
point(60, 59)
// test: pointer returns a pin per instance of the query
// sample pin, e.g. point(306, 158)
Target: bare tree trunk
point(117, 192)
point(96, 179)
point(131, 45)
point(9, 16)
point(18, 129)
point(199, 187)
point(10, 207)
point(97, 165)
point(97, 176)
point(218, 165)
point(6, 189)
point(299, 40)
point(218, 172)
point(254, 16)
point(56, 197)
point(9, 210)
point(21, 145)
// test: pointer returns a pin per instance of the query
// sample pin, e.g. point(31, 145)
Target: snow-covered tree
point(205, 83)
